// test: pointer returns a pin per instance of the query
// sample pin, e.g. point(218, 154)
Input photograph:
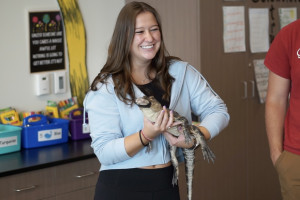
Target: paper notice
point(234, 29)
point(287, 15)
point(261, 77)
point(259, 29)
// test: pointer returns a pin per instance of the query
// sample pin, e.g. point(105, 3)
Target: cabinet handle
point(85, 175)
point(253, 88)
point(26, 188)
point(245, 90)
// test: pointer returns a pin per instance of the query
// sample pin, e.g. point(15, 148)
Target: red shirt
point(283, 59)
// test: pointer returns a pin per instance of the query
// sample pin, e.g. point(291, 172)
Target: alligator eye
point(144, 103)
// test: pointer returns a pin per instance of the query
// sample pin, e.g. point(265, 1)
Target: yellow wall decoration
point(76, 43)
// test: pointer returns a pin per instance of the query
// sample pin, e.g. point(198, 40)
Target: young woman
point(137, 65)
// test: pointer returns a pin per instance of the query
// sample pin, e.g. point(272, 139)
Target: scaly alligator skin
point(151, 109)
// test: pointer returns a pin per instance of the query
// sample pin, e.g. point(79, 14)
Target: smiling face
point(146, 40)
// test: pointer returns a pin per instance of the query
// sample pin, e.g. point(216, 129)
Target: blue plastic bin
point(10, 138)
point(43, 132)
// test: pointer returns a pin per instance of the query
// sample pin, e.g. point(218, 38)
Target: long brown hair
point(118, 60)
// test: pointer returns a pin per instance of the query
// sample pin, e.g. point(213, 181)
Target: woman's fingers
point(171, 119)
point(177, 141)
point(159, 119)
point(162, 120)
point(170, 138)
point(165, 119)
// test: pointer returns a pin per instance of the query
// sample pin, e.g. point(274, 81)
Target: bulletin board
point(46, 37)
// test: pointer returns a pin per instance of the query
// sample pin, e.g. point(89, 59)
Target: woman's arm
point(206, 104)
point(105, 122)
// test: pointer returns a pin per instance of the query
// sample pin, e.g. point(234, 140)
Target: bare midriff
point(157, 166)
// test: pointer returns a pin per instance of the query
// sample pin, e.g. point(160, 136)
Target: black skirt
point(137, 184)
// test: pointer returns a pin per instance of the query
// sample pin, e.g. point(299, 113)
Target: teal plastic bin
point(10, 138)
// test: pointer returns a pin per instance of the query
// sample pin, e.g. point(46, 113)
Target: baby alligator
point(151, 109)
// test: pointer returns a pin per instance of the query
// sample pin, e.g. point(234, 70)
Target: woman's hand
point(178, 141)
point(163, 121)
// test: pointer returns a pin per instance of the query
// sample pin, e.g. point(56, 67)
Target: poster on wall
point(234, 29)
point(286, 16)
point(46, 41)
point(261, 77)
point(259, 29)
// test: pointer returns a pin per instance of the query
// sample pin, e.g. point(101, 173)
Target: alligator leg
point(207, 153)
point(175, 164)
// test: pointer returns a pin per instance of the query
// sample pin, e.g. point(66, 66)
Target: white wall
point(16, 82)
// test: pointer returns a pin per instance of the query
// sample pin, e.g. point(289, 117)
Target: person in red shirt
point(282, 113)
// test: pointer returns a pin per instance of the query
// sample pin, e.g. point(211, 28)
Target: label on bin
point(85, 128)
point(8, 141)
point(52, 134)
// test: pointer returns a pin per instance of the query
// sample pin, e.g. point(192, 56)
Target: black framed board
point(46, 41)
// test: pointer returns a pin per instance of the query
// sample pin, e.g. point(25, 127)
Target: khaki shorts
point(288, 169)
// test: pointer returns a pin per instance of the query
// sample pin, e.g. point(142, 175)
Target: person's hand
point(163, 121)
point(275, 156)
point(178, 141)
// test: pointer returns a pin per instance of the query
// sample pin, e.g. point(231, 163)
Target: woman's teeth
point(147, 47)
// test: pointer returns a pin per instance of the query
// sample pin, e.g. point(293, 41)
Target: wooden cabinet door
point(258, 179)
point(77, 176)
point(38, 184)
point(263, 182)
point(74, 180)
point(226, 178)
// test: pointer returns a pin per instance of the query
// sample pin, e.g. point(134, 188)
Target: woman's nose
point(148, 36)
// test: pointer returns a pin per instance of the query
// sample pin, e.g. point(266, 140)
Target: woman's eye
point(139, 32)
point(155, 29)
